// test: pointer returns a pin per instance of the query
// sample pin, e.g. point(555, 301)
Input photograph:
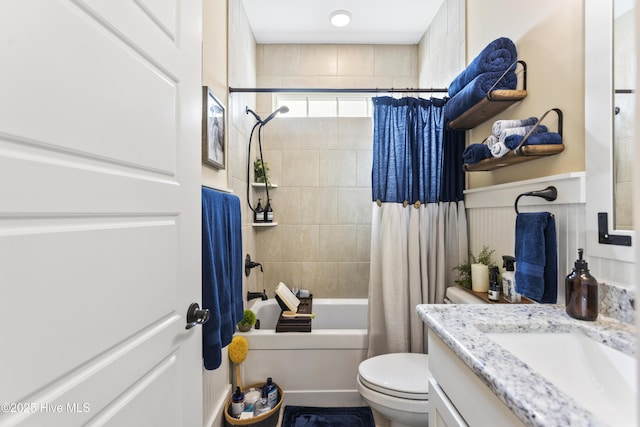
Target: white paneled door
point(100, 110)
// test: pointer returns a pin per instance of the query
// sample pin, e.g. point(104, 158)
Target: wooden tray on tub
point(297, 324)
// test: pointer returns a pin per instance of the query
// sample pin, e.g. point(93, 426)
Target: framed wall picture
point(213, 129)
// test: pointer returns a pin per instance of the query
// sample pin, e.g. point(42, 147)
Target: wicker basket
point(268, 419)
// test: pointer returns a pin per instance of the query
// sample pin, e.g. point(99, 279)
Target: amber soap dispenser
point(581, 291)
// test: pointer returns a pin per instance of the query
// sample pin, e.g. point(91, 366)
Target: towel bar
point(549, 194)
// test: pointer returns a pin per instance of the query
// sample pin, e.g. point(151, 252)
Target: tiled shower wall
point(322, 167)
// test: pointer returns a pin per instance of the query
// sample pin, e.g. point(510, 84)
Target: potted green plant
point(464, 269)
point(261, 171)
point(247, 321)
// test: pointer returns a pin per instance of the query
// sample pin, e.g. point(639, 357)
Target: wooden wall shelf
point(526, 153)
point(495, 102)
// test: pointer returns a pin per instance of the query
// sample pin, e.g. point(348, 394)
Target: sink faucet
point(253, 295)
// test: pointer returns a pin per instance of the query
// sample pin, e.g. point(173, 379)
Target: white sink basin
point(598, 377)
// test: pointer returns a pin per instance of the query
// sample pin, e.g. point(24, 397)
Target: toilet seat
point(402, 375)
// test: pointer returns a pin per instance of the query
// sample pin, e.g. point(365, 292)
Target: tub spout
point(253, 295)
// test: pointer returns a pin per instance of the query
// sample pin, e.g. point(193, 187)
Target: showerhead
point(283, 109)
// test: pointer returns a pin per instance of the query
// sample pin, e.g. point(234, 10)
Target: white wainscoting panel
point(492, 217)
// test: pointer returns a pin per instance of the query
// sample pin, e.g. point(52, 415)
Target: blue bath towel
point(221, 272)
point(475, 152)
point(541, 138)
point(477, 89)
point(537, 256)
point(497, 56)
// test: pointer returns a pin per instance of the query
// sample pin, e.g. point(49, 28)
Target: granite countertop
point(532, 398)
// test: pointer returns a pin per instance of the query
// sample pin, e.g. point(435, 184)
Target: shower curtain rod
point(335, 90)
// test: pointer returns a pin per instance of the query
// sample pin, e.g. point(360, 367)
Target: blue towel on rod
point(497, 56)
point(476, 90)
point(537, 256)
point(221, 272)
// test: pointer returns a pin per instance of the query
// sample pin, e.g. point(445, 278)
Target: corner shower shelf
point(265, 224)
point(494, 103)
point(260, 185)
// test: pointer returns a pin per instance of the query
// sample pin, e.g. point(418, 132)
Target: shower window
point(321, 105)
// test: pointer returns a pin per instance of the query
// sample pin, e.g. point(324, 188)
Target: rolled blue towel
point(475, 91)
point(500, 125)
point(542, 138)
point(497, 56)
point(476, 152)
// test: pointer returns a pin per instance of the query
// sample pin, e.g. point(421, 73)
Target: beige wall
point(214, 70)
point(237, 58)
point(549, 36)
point(322, 167)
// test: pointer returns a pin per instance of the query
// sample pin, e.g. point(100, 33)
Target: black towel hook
point(549, 194)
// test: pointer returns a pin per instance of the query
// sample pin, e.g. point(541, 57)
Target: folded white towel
point(522, 131)
point(499, 149)
point(500, 125)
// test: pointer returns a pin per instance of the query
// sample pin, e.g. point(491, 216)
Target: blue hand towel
point(476, 90)
point(541, 138)
point(475, 152)
point(221, 272)
point(497, 56)
point(537, 256)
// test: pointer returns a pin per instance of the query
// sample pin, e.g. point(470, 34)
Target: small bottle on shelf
point(268, 212)
point(258, 213)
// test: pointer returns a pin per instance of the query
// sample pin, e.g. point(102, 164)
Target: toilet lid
point(397, 374)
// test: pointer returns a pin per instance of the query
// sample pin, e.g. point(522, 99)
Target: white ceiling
point(307, 21)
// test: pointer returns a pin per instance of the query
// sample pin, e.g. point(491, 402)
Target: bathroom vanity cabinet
point(458, 397)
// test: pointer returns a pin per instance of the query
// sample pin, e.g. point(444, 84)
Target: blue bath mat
point(310, 416)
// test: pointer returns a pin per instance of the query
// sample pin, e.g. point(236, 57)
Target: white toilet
point(396, 385)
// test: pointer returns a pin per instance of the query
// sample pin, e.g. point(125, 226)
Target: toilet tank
point(456, 295)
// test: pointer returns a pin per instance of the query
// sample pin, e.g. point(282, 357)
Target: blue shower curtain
point(407, 144)
point(419, 230)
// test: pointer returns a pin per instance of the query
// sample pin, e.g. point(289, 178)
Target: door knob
point(196, 316)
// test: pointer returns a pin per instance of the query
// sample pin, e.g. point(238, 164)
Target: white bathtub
point(316, 368)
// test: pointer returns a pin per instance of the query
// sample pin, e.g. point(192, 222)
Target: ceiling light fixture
point(340, 18)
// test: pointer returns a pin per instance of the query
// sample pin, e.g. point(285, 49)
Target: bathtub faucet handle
point(248, 265)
